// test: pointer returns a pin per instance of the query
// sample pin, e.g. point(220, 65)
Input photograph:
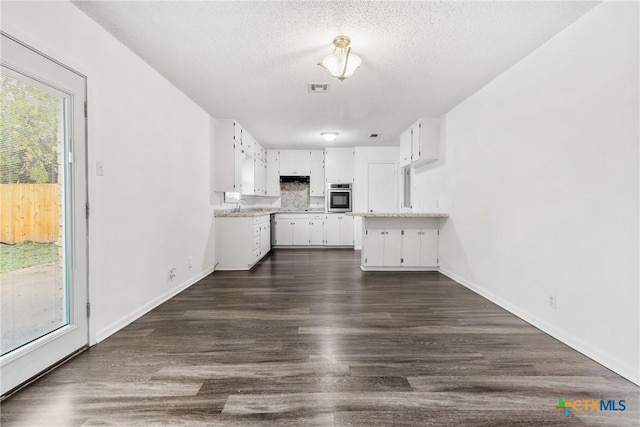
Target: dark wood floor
point(307, 339)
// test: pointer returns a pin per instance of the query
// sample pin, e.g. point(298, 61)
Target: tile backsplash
point(294, 195)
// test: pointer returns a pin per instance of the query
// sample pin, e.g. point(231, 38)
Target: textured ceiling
point(252, 60)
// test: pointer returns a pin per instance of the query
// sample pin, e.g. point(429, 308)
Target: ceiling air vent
point(318, 87)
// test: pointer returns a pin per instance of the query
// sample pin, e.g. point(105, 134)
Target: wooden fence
point(29, 213)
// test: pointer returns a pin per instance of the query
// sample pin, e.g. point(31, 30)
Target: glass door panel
point(33, 286)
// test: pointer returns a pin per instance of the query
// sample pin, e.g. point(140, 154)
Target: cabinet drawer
point(256, 242)
point(256, 230)
point(256, 255)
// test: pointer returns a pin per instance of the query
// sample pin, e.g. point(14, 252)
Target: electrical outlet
point(172, 272)
point(190, 262)
point(552, 301)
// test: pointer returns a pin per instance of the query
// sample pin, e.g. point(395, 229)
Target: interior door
point(382, 187)
point(43, 276)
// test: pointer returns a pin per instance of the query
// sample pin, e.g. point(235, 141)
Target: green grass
point(21, 255)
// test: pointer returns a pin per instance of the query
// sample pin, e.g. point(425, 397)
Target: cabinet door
point(346, 230)
point(429, 248)
point(273, 156)
point(393, 248)
point(316, 232)
point(374, 247)
point(317, 183)
point(248, 173)
point(287, 162)
point(260, 178)
point(237, 133)
point(426, 146)
point(273, 179)
point(405, 148)
point(332, 230)
point(302, 162)
point(284, 232)
point(265, 238)
point(317, 156)
point(339, 164)
point(415, 142)
point(238, 164)
point(411, 242)
point(301, 232)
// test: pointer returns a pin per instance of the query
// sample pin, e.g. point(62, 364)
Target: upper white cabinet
point(295, 162)
point(405, 148)
point(317, 184)
point(273, 173)
point(239, 162)
point(339, 164)
point(420, 144)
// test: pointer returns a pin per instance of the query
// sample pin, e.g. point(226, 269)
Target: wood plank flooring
point(307, 339)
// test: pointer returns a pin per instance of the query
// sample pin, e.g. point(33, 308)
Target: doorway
point(43, 225)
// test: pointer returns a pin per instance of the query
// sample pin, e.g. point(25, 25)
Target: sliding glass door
point(43, 227)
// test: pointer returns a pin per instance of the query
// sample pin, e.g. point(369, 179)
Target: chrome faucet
point(239, 205)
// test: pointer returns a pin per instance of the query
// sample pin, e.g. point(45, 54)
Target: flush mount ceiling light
point(329, 136)
point(341, 63)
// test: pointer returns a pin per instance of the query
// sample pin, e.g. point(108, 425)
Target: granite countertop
point(400, 214)
point(249, 212)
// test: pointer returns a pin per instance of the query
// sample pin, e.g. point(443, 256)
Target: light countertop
point(400, 214)
point(250, 212)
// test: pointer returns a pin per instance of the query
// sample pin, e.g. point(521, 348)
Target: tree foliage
point(29, 133)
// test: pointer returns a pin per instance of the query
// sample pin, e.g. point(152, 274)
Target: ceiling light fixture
point(341, 63)
point(329, 136)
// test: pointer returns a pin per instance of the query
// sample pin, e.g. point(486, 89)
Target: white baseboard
point(370, 268)
point(607, 360)
point(114, 327)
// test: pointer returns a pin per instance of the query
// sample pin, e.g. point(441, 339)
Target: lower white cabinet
point(313, 230)
point(242, 241)
point(383, 247)
point(299, 229)
point(420, 247)
point(395, 247)
point(338, 230)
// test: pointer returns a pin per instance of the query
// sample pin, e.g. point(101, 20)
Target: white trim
point(609, 361)
point(378, 268)
point(119, 324)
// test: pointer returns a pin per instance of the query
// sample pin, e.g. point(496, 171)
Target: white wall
point(541, 178)
point(363, 157)
point(151, 210)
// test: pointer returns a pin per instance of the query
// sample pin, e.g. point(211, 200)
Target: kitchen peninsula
point(406, 241)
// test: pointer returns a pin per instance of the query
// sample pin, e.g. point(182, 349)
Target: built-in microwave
point(339, 197)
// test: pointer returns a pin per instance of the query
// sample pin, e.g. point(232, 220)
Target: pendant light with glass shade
point(341, 63)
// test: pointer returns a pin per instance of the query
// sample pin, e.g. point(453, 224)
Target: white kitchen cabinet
point(420, 247)
point(227, 156)
point(260, 174)
point(236, 168)
point(338, 230)
point(316, 176)
point(273, 173)
point(295, 162)
point(300, 232)
point(383, 247)
point(283, 231)
point(299, 229)
point(316, 231)
point(241, 241)
point(339, 164)
point(406, 144)
point(420, 143)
